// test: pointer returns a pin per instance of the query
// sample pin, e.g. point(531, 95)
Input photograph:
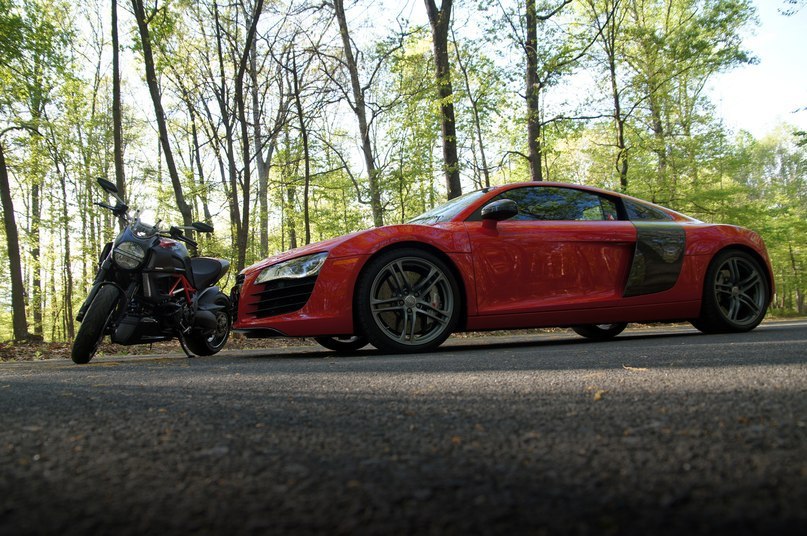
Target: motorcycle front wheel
point(91, 332)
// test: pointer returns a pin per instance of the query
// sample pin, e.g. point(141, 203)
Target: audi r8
point(516, 256)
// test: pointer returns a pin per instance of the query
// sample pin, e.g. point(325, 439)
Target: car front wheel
point(407, 300)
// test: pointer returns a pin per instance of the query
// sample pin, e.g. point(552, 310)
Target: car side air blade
point(658, 258)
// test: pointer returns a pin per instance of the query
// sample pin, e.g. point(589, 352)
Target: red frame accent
point(186, 287)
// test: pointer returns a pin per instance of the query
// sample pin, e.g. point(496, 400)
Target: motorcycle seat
point(207, 270)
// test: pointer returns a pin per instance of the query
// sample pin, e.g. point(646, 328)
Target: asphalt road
point(659, 431)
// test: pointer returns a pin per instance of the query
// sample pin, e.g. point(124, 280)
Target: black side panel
point(658, 258)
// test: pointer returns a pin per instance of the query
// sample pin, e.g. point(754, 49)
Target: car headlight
point(129, 255)
point(294, 269)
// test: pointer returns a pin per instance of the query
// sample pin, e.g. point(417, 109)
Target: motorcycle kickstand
point(184, 346)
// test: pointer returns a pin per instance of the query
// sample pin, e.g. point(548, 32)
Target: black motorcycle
point(148, 288)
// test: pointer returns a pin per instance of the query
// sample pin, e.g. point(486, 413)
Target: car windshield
point(448, 210)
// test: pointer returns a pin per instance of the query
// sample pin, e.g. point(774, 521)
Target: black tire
point(343, 344)
point(736, 294)
point(600, 332)
point(91, 332)
point(209, 342)
point(407, 300)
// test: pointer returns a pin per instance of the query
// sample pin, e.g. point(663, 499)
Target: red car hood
point(325, 245)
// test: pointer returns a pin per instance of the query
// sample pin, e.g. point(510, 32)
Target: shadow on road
point(676, 347)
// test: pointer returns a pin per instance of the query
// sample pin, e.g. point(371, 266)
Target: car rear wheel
point(735, 296)
point(343, 344)
point(407, 300)
point(600, 332)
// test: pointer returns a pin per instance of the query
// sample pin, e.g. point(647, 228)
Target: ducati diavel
point(148, 288)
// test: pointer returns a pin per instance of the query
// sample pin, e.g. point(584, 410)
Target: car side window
point(550, 203)
point(609, 210)
point(639, 211)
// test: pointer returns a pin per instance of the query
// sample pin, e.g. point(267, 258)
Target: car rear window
point(640, 211)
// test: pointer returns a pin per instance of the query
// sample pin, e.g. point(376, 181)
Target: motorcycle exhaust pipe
point(205, 320)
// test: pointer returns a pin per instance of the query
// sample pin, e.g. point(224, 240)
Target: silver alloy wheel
point(740, 291)
point(220, 335)
point(412, 301)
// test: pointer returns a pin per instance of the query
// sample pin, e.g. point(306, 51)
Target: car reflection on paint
point(515, 256)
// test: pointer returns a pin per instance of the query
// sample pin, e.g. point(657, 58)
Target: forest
point(285, 122)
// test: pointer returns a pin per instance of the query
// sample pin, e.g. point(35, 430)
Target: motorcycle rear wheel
point(91, 332)
point(204, 343)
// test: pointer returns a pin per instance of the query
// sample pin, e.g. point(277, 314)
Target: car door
point(565, 249)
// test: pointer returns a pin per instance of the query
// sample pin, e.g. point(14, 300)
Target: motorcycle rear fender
point(93, 292)
point(208, 300)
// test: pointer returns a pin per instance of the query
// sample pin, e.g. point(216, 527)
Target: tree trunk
point(19, 321)
point(260, 164)
point(154, 90)
point(609, 33)
point(796, 281)
point(660, 145)
point(243, 235)
point(475, 110)
point(533, 95)
point(67, 272)
point(360, 109)
point(288, 205)
point(263, 160)
point(440, 21)
point(117, 121)
point(619, 123)
point(306, 156)
point(36, 267)
point(290, 220)
point(68, 268)
point(198, 161)
point(230, 182)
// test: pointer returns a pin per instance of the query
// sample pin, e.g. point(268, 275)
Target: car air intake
point(281, 296)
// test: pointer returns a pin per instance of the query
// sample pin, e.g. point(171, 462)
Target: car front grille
point(281, 296)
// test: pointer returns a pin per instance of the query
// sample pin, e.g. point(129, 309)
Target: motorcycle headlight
point(294, 269)
point(129, 255)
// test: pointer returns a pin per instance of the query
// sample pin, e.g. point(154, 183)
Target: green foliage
point(54, 76)
point(12, 33)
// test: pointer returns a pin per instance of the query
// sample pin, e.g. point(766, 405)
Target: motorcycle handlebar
point(118, 210)
point(187, 240)
point(174, 232)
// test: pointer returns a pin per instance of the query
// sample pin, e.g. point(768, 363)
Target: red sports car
point(516, 256)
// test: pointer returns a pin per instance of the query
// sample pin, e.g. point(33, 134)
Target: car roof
point(496, 190)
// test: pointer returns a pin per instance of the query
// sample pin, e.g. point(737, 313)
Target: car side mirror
point(499, 210)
